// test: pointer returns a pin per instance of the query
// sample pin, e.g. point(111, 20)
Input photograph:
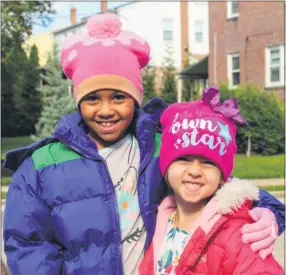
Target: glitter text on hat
point(190, 138)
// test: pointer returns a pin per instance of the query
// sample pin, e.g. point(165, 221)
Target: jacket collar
point(72, 131)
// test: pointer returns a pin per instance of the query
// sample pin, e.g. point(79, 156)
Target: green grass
point(3, 195)
point(9, 143)
point(259, 167)
point(5, 180)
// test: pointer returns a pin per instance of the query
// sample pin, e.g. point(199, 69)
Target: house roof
point(84, 20)
point(198, 70)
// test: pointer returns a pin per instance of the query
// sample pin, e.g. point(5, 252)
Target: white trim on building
point(274, 66)
point(233, 70)
point(232, 9)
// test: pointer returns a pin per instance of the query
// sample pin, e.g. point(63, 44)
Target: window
point(274, 66)
point(199, 31)
point(232, 9)
point(168, 29)
point(233, 69)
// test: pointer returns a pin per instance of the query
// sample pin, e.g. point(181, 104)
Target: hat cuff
point(114, 82)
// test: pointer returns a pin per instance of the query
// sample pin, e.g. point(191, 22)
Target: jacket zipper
point(141, 168)
point(116, 214)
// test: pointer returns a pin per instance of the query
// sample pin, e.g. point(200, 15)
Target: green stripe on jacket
point(53, 153)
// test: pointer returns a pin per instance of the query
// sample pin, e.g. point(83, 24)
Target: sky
point(62, 16)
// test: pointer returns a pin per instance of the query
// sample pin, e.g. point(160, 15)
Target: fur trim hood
point(232, 195)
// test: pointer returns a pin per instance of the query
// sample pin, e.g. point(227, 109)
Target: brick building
point(247, 44)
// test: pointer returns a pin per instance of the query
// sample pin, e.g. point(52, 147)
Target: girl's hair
point(132, 127)
point(170, 190)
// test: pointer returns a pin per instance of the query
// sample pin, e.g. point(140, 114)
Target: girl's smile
point(192, 186)
point(108, 127)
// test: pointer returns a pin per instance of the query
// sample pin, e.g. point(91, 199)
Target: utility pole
point(184, 32)
point(184, 42)
point(103, 4)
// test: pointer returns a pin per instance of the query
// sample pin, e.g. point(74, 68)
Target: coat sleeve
point(29, 241)
point(266, 200)
point(240, 259)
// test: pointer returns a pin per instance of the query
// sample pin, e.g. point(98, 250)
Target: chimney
point(184, 32)
point(73, 16)
point(103, 5)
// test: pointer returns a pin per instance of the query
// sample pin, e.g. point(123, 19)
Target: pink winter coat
point(215, 247)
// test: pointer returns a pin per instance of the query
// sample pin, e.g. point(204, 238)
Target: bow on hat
point(228, 108)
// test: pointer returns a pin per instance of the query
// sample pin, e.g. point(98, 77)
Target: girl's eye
point(119, 97)
point(91, 98)
point(183, 159)
point(208, 162)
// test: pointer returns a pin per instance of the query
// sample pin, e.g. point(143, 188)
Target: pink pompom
point(104, 25)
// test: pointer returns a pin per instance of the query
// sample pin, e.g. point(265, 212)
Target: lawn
point(255, 167)
point(5, 181)
point(3, 195)
point(259, 167)
point(9, 143)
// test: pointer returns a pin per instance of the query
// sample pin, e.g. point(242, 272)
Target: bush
point(148, 81)
point(265, 118)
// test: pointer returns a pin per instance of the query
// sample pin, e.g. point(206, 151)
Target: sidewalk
point(268, 182)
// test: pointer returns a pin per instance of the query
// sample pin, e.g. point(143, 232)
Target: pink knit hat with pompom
point(105, 57)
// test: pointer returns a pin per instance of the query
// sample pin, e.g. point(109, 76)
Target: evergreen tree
point(29, 106)
point(13, 85)
point(8, 79)
point(169, 85)
point(17, 18)
point(148, 81)
point(57, 97)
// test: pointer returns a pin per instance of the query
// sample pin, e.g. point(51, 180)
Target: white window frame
point(200, 31)
point(268, 66)
point(230, 14)
point(170, 30)
point(230, 70)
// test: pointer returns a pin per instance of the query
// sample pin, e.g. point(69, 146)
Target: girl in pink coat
point(198, 230)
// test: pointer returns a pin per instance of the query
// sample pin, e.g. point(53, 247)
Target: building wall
point(44, 43)
point(258, 26)
point(198, 11)
point(146, 19)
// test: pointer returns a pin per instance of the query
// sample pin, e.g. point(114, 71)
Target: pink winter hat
point(203, 127)
point(105, 57)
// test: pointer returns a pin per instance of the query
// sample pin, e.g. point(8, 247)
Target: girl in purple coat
point(84, 201)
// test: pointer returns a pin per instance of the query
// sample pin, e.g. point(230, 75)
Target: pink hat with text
point(203, 127)
point(105, 57)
